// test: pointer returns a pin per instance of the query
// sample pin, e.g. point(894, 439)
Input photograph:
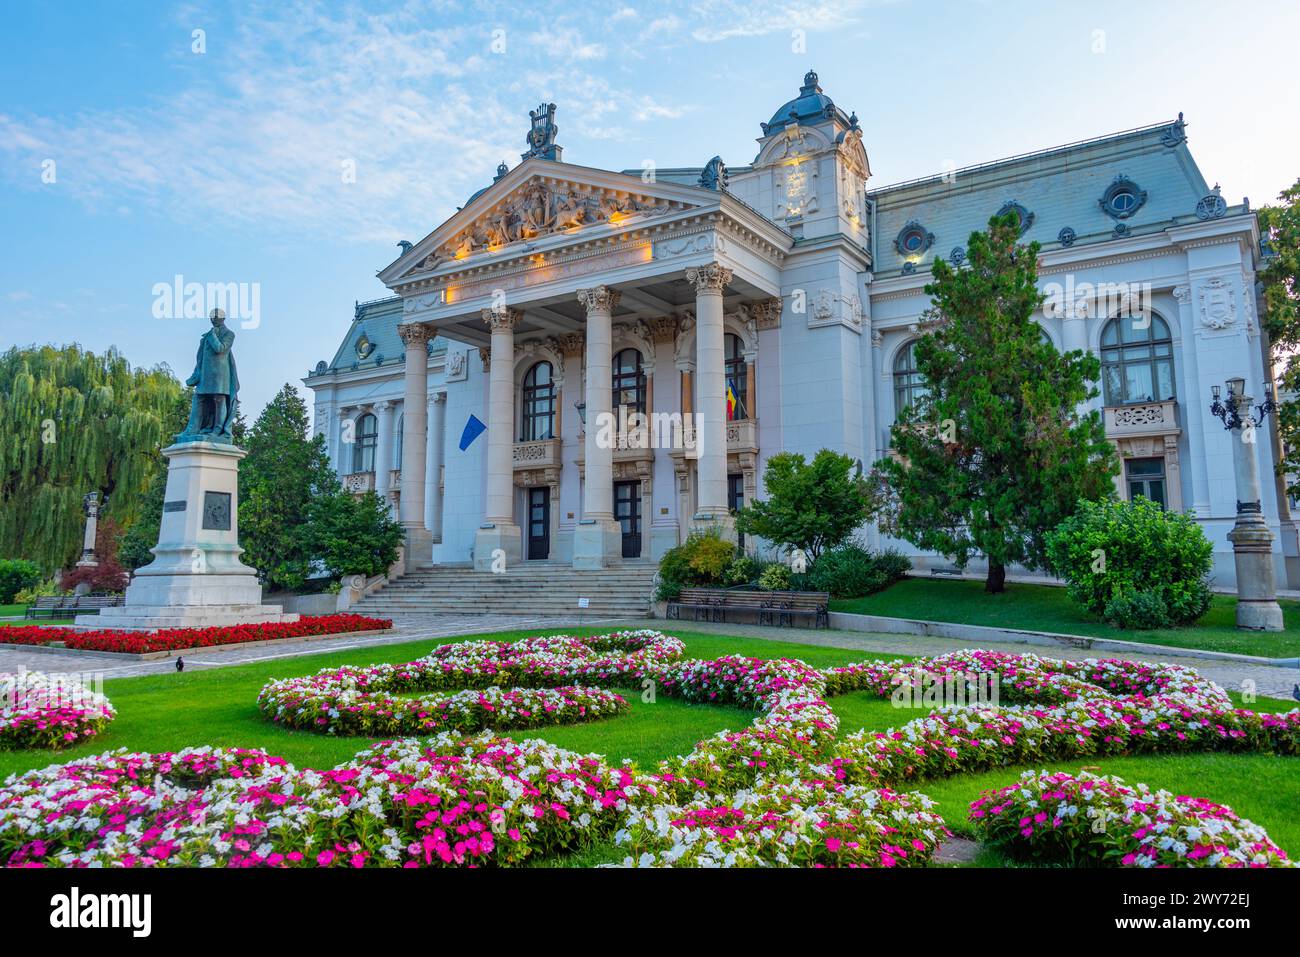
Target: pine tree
point(286, 469)
point(996, 454)
point(74, 422)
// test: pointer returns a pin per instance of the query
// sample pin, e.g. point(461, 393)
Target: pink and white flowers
point(1089, 819)
point(41, 711)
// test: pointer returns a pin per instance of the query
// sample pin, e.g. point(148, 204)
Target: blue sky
point(225, 166)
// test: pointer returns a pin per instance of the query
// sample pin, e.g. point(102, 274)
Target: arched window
point(364, 441)
point(629, 381)
point(1137, 360)
point(538, 419)
point(737, 376)
point(909, 384)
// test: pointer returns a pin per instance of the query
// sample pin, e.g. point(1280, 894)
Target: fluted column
point(419, 544)
point(433, 464)
point(499, 532)
point(711, 414)
point(596, 540)
point(384, 450)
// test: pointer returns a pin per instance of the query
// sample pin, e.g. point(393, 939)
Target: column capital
point(502, 320)
point(384, 405)
point(572, 343)
point(415, 333)
point(437, 398)
point(767, 312)
point(711, 277)
point(599, 298)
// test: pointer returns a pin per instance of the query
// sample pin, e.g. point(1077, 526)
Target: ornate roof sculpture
point(541, 134)
point(541, 207)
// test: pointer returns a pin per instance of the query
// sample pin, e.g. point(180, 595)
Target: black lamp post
point(1230, 412)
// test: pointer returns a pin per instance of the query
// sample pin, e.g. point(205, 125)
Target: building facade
point(767, 308)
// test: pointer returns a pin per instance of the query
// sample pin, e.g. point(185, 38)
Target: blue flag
point(473, 429)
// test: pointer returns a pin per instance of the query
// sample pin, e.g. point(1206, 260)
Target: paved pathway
point(1268, 680)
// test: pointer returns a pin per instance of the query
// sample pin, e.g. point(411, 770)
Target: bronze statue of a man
point(216, 386)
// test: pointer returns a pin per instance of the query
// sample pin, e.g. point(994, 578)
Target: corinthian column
point(419, 544)
point(711, 414)
point(499, 533)
point(596, 541)
point(384, 451)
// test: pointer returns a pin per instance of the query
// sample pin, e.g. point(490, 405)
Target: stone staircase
point(532, 588)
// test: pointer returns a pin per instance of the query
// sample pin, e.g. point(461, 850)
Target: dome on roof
point(811, 102)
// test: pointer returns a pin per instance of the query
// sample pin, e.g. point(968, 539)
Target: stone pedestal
point(196, 579)
point(506, 537)
point(597, 543)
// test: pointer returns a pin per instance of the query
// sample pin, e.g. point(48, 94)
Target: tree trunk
point(996, 582)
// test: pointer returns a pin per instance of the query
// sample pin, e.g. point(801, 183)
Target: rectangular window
point(1146, 477)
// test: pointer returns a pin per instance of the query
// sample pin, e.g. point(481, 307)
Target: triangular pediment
point(541, 199)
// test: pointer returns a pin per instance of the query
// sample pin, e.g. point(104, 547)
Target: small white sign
point(584, 602)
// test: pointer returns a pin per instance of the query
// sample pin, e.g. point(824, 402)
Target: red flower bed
point(181, 639)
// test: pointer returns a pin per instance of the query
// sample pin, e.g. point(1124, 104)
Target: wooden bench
point(65, 606)
point(770, 607)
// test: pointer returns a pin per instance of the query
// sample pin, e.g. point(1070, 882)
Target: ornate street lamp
point(582, 411)
point(1252, 542)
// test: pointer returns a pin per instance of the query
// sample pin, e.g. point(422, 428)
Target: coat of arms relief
point(1218, 310)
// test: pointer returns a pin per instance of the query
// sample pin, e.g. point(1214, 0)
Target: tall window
point(629, 381)
point(737, 375)
point(1146, 477)
point(1137, 360)
point(364, 441)
point(538, 419)
point(909, 385)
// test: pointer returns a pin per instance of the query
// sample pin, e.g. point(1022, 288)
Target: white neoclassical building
point(772, 307)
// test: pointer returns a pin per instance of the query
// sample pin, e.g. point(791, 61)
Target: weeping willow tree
point(73, 422)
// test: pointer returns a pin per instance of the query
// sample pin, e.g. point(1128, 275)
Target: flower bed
point(449, 800)
point(788, 790)
point(184, 639)
point(39, 711)
point(1088, 819)
point(787, 822)
point(540, 671)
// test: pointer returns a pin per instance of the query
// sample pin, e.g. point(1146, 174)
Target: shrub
point(742, 570)
point(353, 536)
point(107, 576)
point(851, 571)
point(1111, 552)
point(15, 575)
point(1137, 609)
point(43, 589)
point(701, 561)
point(775, 577)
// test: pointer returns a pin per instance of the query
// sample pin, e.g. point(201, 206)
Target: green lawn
point(218, 706)
point(17, 611)
point(1046, 608)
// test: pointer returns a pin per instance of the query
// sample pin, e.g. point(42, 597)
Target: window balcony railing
point(1141, 418)
point(359, 482)
point(543, 453)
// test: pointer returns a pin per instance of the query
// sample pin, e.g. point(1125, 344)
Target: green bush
point(742, 570)
point(775, 577)
point(45, 589)
point(702, 561)
point(852, 571)
point(1125, 561)
point(15, 575)
point(1137, 609)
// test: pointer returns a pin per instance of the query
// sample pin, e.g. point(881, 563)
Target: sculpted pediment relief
point(542, 208)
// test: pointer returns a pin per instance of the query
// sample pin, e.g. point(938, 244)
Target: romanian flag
point(731, 403)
